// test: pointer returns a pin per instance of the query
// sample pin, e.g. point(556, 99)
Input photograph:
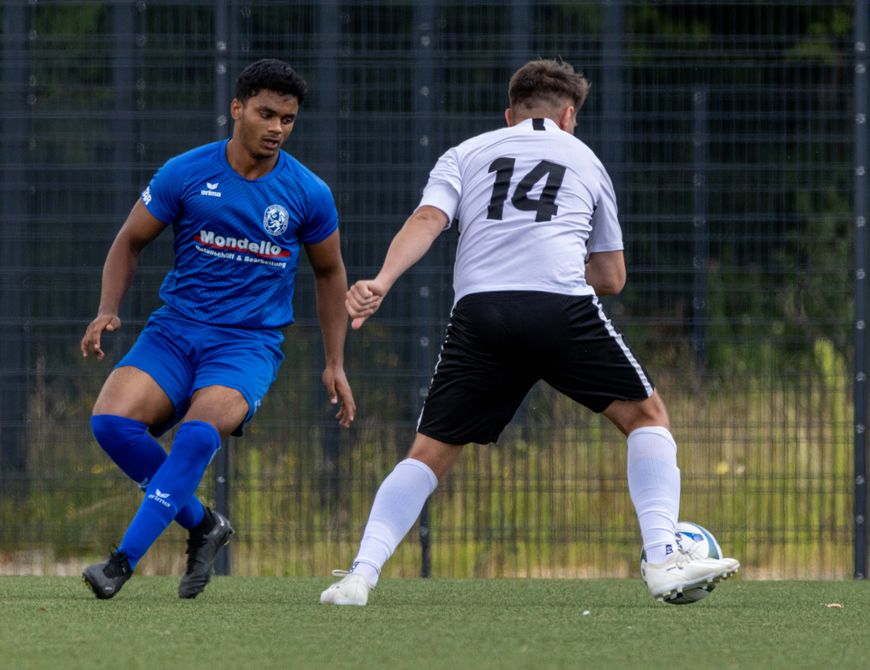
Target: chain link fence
point(728, 129)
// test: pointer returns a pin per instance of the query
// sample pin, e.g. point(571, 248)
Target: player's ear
point(508, 117)
point(236, 109)
point(567, 118)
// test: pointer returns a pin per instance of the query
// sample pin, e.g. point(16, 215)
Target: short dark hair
point(549, 82)
point(270, 74)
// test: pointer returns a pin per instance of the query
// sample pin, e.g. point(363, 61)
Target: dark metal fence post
point(124, 126)
point(700, 234)
point(522, 28)
point(612, 93)
point(521, 34)
point(223, 561)
point(862, 33)
point(424, 92)
point(14, 194)
point(326, 95)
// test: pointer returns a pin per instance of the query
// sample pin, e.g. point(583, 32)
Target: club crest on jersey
point(275, 220)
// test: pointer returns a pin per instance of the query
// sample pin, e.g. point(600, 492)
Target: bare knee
point(132, 393)
point(438, 456)
point(629, 415)
point(220, 406)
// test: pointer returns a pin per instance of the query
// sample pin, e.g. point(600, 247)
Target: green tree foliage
point(776, 230)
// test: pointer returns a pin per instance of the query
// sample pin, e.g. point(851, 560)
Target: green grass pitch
point(263, 622)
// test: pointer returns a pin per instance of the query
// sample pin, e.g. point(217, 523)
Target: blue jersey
point(237, 241)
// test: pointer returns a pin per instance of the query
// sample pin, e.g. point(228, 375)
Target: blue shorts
point(183, 356)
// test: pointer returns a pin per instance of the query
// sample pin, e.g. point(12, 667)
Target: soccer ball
point(697, 542)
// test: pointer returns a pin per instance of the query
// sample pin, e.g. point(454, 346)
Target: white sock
point(396, 507)
point(654, 486)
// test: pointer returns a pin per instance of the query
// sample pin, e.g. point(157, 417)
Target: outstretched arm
point(140, 228)
point(331, 286)
point(408, 246)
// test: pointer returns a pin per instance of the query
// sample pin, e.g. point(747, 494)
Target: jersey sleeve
point(606, 232)
point(322, 220)
point(444, 187)
point(162, 197)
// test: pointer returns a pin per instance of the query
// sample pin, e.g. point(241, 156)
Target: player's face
point(264, 122)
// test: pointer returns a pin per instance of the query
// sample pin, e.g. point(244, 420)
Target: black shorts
point(499, 344)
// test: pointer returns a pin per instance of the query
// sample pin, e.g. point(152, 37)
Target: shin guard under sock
point(171, 487)
point(397, 505)
point(654, 486)
point(131, 447)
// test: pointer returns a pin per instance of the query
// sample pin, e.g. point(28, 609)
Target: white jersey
point(532, 201)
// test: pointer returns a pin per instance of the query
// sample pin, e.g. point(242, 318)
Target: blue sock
point(139, 456)
point(171, 487)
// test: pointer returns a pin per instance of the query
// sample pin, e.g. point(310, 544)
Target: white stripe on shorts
point(622, 345)
point(435, 371)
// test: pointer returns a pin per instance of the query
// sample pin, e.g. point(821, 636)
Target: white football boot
point(352, 589)
point(683, 572)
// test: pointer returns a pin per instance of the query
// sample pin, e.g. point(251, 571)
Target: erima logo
point(262, 248)
point(211, 190)
point(159, 497)
point(146, 195)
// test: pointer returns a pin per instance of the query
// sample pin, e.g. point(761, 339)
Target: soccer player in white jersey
point(539, 241)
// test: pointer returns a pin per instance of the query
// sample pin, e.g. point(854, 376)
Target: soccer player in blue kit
point(240, 209)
